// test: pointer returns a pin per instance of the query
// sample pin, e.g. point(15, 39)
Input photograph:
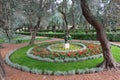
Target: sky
point(59, 1)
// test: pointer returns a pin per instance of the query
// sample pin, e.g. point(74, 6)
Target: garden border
point(61, 60)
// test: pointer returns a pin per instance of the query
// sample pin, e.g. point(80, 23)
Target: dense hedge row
point(82, 36)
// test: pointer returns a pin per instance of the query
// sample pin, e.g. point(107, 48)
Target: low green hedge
point(82, 36)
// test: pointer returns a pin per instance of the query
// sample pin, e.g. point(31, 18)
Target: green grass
point(20, 57)
point(37, 39)
point(116, 53)
point(1, 41)
point(19, 39)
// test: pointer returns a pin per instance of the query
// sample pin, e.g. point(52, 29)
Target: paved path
point(14, 74)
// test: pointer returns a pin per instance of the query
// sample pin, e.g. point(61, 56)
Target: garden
point(49, 58)
point(59, 38)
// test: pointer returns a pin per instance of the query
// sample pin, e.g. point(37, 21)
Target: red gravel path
point(14, 74)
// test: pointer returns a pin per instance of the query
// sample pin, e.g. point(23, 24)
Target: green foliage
point(80, 36)
point(17, 38)
point(56, 20)
point(113, 37)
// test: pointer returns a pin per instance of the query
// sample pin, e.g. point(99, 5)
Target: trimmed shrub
point(80, 36)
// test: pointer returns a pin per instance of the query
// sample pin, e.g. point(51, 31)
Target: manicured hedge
point(113, 37)
point(80, 36)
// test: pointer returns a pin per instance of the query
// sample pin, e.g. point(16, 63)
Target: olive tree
point(109, 61)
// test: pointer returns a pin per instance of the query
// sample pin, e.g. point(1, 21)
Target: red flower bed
point(92, 49)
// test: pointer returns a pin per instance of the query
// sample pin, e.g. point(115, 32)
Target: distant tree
point(112, 14)
point(66, 8)
point(7, 10)
point(56, 21)
point(42, 7)
point(6, 16)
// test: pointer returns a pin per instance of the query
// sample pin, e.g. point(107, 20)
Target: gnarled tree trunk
point(109, 61)
point(54, 28)
point(86, 26)
point(66, 26)
point(35, 31)
point(2, 71)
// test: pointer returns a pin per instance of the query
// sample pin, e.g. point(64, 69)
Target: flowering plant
point(92, 49)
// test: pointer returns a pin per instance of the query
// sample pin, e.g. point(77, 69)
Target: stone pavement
point(14, 74)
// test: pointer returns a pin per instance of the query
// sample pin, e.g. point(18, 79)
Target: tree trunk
point(109, 61)
point(2, 23)
point(35, 31)
point(54, 28)
point(7, 34)
point(30, 29)
point(73, 21)
point(2, 70)
point(33, 37)
point(66, 26)
point(86, 26)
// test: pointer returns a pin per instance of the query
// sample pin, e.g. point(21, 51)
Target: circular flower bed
point(88, 51)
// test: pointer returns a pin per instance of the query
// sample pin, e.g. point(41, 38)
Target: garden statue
point(69, 37)
point(66, 38)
